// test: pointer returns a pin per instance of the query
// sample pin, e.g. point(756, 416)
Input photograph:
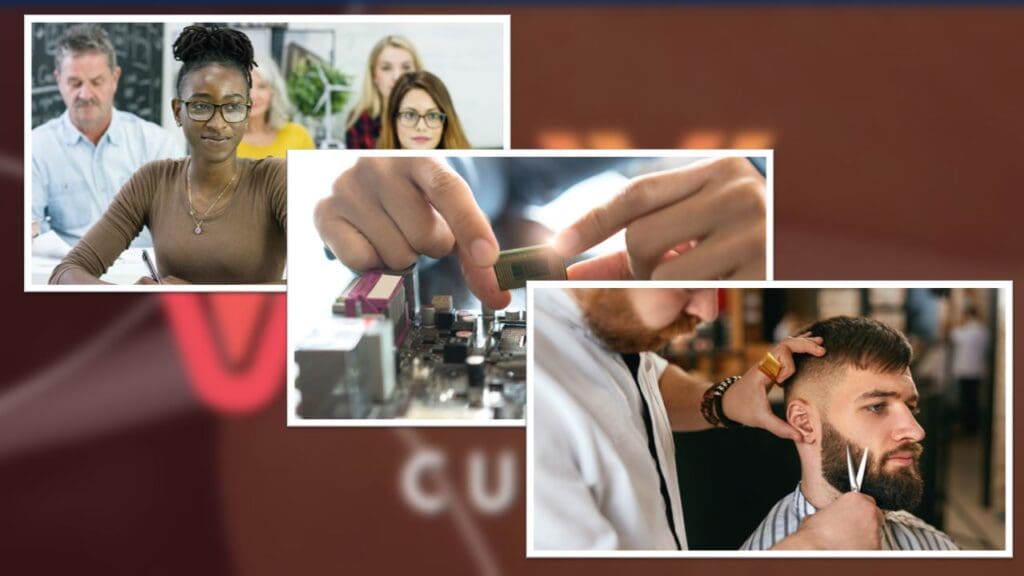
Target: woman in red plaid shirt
point(390, 58)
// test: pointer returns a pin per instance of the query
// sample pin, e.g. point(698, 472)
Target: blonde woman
point(271, 133)
point(390, 58)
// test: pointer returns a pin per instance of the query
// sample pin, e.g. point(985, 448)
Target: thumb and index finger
point(752, 407)
point(641, 196)
point(477, 246)
point(802, 344)
point(780, 428)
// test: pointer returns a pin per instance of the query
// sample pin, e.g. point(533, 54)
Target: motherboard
point(383, 355)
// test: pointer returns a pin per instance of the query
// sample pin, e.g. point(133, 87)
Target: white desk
point(127, 269)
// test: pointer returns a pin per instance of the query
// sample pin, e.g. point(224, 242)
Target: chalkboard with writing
point(139, 50)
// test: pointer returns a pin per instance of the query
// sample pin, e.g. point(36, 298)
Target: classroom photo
point(158, 148)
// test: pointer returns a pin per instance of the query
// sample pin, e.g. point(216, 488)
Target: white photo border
point(1005, 294)
point(30, 19)
point(292, 340)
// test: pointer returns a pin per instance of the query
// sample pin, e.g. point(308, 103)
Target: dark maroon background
point(897, 133)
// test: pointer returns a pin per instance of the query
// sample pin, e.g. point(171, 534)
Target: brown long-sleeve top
point(243, 240)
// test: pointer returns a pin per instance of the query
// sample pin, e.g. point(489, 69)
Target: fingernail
point(566, 241)
point(484, 253)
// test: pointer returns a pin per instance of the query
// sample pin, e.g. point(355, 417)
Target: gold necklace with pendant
point(200, 220)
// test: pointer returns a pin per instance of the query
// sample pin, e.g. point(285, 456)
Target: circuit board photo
point(382, 355)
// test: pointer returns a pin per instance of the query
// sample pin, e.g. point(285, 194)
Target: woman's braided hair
point(202, 44)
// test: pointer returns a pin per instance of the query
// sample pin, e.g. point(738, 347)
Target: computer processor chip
point(515, 267)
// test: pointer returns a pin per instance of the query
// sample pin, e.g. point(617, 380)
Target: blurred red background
point(897, 133)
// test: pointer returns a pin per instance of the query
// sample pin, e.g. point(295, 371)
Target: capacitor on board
point(476, 367)
point(427, 314)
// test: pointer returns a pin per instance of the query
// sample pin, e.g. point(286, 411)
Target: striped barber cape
point(902, 530)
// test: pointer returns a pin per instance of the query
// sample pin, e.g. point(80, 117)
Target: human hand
point(385, 212)
point(851, 522)
point(149, 281)
point(702, 222)
point(174, 280)
point(746, 401)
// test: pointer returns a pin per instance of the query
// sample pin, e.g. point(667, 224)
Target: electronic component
point(411, 281)
point(512, 339)
point(444, 320)
point(462, 326)
point(344, 365)
point(448, 363)
point(376, 293)
point(515, 267)
point(456, 350)
point(475, 366)
point(442, 303)
point(427, 313)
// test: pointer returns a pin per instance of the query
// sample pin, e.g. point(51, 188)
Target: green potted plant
point(319, 91)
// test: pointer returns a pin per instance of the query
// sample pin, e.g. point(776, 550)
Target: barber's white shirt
point(595, 484)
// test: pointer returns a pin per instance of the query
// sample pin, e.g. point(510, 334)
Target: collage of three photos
point(618, 304)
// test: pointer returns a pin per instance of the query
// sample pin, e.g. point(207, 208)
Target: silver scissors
point(856, 480)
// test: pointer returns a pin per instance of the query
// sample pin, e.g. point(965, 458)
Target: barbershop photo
point(798, 420)
point(407, 291)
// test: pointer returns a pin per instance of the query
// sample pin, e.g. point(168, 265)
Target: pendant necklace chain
point(200, 220)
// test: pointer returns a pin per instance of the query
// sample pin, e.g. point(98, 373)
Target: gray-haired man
point(81, 159)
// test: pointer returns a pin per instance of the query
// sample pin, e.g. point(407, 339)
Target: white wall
point(468, 56)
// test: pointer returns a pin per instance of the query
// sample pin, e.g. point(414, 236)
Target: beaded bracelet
point(711, 404)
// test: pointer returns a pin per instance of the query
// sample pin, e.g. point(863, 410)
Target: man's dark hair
point(860, 343)
point(82, 38)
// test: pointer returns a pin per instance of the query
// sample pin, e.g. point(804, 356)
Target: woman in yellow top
point(270, 133)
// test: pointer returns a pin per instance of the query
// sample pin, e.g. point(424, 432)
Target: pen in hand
point(151, 266)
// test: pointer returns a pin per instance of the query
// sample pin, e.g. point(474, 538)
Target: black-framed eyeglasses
point(410, 118)
point(231, 112)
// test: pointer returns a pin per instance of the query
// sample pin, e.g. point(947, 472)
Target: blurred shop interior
point(962, 407)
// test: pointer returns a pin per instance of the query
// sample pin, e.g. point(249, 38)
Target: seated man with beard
point(860, 395)
point(604, 405)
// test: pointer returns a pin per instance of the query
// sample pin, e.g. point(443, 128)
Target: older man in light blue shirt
point(81, 159)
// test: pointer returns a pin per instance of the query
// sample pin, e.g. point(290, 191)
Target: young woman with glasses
point(421, 116)
point(214, 218)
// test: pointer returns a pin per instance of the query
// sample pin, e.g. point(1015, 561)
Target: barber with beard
point(603, 410)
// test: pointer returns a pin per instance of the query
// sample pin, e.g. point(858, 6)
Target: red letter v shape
point(233, 346)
